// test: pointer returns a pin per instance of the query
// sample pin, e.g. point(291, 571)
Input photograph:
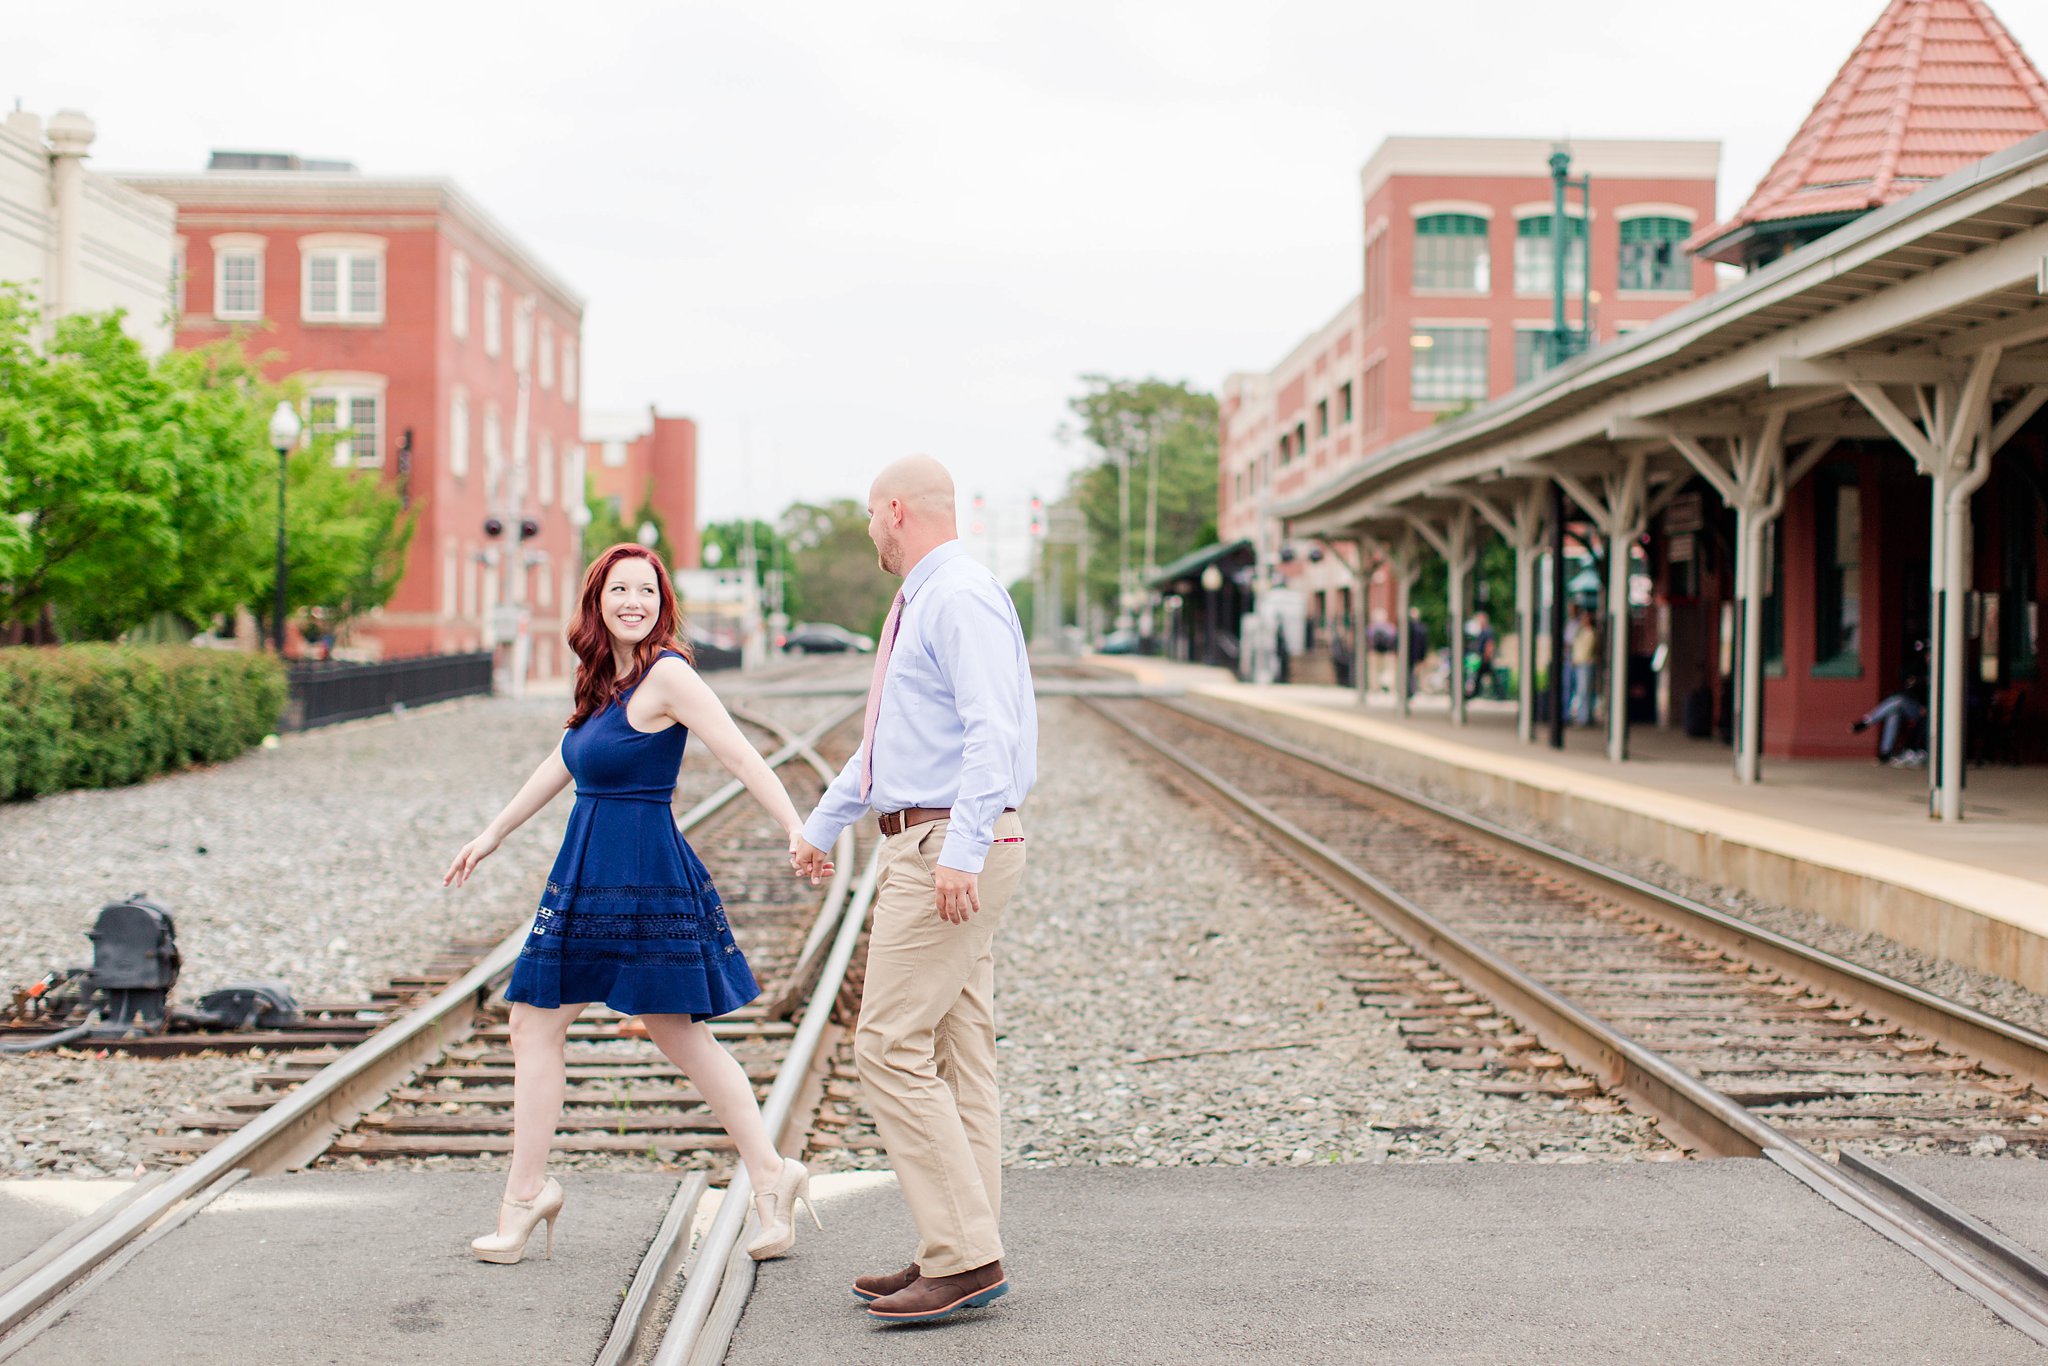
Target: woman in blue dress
point(630, 917)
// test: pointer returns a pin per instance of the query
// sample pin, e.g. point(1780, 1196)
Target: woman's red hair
point(598, 684)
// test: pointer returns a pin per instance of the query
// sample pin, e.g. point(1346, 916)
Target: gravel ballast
point(317, 862)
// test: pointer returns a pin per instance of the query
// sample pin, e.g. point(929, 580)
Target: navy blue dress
point(630, 917)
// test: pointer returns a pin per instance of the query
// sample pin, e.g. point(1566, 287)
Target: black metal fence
point(323, 692)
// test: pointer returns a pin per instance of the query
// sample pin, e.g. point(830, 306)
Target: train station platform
point(1730, 1261)
point(1849, 841)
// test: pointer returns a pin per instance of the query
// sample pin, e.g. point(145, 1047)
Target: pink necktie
point(867, 727)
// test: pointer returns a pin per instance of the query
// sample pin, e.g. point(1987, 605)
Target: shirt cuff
point(821, 833)
point(962, 852)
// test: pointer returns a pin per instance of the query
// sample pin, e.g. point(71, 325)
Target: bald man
point(948, 750)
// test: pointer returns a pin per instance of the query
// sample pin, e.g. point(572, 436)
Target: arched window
point(1450, 252)
point(1534, 260)
point(1653, 254)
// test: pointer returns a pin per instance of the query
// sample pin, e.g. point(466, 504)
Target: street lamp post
point(284, 434)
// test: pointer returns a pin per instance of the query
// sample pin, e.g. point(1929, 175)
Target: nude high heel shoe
point(778, 1230)
point(525, 1215)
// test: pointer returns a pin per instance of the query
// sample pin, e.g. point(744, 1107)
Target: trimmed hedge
point(105, 715)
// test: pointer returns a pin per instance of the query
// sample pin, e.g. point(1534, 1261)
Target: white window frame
point(236, 246)
point(346, 389)
point(354, 255)
point(494, 316)
point(574, 459)
point(544, 473)
point(547, 354)
point(178, 269)
point(494, 448)
point(568, 370)
point(458, 434)
point(1574, 270)
point(458, 296)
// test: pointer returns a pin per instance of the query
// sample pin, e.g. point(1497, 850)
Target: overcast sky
point(838, 232)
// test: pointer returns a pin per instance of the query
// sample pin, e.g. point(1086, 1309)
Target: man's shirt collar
point(934, 558)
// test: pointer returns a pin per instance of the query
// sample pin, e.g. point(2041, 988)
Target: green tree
point(832, 572)
point(130, 489)
point(771, 553)
point(607, 528)
point(1157, 430)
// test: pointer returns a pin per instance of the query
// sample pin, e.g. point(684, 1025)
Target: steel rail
point(1958, 1027)
point(302, 1125)
point(1683, 1104)
point(691, 1337)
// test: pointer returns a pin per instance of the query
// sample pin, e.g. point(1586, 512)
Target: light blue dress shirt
point(959, 725)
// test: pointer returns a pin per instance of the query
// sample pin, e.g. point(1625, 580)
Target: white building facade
point(80, 242)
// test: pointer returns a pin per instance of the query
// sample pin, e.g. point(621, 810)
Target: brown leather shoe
point(887, 1283)
point(934, 1297)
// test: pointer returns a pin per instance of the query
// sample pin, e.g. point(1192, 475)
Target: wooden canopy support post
point(1523, 523)
point(1405, 558)
point(1621, 510)
point(1750, 474)
point(1455, 541)
point(1369, 558)
point(1952, 443)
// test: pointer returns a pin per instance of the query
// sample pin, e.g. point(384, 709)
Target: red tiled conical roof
point(1933, 86)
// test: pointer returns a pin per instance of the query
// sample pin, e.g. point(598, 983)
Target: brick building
point(1454, 310)
point(643, 459)
point(447, 353)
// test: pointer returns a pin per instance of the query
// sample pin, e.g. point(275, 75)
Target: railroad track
point(437, 1080)
point(1551, 976)
point(334, 1025)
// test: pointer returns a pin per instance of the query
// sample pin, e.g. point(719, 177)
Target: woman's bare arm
point(543, 787)
point(686, 697)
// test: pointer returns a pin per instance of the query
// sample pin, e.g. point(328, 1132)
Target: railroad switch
point(127, 990)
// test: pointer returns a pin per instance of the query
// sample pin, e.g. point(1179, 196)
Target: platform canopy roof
point(1908, 294)
point(1933, 86)
point(1195, 561)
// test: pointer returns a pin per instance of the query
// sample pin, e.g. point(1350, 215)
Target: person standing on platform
point(1584, 649)
point(630, 917)
point(1418, 646)
point(947, 754)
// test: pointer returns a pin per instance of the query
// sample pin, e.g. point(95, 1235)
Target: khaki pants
point(926, 1044)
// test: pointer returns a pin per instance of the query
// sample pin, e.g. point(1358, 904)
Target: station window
point(1450, 252)
point(494, 304)
point(2019, 623)
point(1322, 417)
point(458, 434)
point(353, 418)
point(1448, 365)
point(1772, 628)
point(1344, 402)
point(1838, 593)
point(1532, 353)
point(1534, 259)
point(238, 283)
point(1300, 439)
point(1653, 255)
point(458, 296)
point(1286, 453)
point(343, 286)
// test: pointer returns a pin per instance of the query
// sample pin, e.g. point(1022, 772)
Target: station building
point(1455, 309)
point(1820, 487)
point(445, 353)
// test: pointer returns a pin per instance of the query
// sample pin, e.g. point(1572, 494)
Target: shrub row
point(103, 715)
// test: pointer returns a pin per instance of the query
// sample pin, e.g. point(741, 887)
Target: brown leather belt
point(896, 822)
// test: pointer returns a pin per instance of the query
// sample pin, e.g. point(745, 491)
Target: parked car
point(823, 638)
point(1121, 642)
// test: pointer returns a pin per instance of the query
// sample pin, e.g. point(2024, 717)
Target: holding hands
point(807, 860)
